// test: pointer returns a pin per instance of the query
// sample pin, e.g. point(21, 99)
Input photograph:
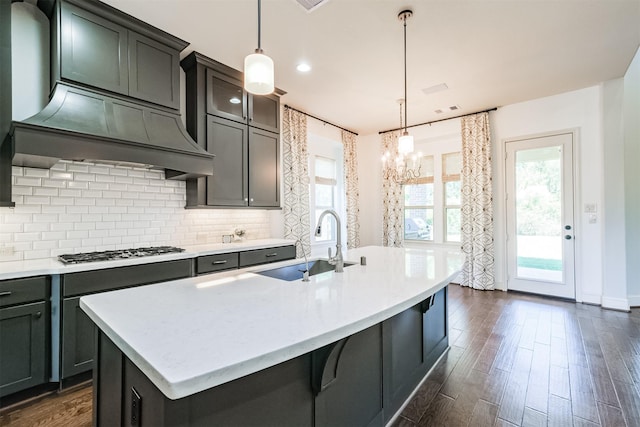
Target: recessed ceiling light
point(303, 67)
point(235, 100)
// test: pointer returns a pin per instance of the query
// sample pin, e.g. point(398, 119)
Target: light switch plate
point(590, 208)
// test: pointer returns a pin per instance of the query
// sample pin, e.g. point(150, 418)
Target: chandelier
point(406, 166)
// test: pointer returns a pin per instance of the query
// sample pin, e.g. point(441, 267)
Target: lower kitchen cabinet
point(24, 332)
point(347, 380)
point(414, 340)
point(78, 331)
point(77, 339)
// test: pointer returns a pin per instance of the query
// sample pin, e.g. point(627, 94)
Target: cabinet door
point(264, 168)
point(264, 112)
point(228, 141)
point(153, 71)
point(94, 50)
point(349, 370)
point(23, 355)
point(226, 97)
point(404, 369)
point(77, 339)
point(436, 337)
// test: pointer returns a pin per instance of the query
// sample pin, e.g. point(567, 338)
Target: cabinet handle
point(5, 294)
point(37, 315)
point(224, 261)
point(271, 255)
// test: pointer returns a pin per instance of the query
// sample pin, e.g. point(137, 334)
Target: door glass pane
point(538, 180)
point(227, 97)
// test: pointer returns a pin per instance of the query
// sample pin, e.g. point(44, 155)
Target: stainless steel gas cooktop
point(117, 254)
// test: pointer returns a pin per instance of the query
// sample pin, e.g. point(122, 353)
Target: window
point(432, 202)
point(451, 166)
point(325, 195)
point(418, 204)
point(326, 190)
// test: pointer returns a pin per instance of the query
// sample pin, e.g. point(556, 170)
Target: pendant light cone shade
point(405, 143)
point(258, 74)
point(258, 68)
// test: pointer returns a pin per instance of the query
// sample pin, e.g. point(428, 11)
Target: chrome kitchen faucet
point(337, 260)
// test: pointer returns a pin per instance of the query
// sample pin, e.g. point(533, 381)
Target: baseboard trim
point(593, 299)
point(634, 300)
point(621, 304)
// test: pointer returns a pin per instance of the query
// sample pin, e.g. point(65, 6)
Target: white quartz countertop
point(193, 334)
point(29, 268)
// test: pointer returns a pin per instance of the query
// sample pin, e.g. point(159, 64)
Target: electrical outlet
point(7, 250)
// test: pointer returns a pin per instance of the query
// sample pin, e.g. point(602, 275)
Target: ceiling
point(489, 53)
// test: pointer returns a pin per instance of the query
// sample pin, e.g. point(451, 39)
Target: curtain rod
point(322, 120)
point(441, 120)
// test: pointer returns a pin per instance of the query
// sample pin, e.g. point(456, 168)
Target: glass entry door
point(540, 235)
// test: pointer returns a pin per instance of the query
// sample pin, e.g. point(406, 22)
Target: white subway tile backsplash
point(78, 167)
point(81, 207)
point(55, 235)
point(77, 234)
point(61, 175)
point(32, 182)
point(38, 173)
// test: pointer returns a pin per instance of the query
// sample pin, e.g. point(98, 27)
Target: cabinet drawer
point(217, 262)
point(87, 282)
point(17, 291)
point(263, 256)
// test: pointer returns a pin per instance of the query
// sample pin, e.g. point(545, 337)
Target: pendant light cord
point(259, 23)
point(405, 74)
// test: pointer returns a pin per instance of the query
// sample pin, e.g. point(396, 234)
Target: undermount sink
point(296, 271)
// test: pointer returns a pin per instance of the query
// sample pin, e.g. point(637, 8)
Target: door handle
point(567, 237)
point(567, 227)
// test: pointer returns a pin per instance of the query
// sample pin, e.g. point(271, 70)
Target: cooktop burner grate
point(118, 254)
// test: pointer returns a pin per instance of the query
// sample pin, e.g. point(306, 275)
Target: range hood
point(115, 96)
point(88, 125)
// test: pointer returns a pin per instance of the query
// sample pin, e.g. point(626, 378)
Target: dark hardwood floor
point(515, 360)
point(520, 360)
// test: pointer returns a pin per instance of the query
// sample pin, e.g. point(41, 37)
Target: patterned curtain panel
point(296, 180)
point(351, 187)
point(477, 203)
point(392, 203)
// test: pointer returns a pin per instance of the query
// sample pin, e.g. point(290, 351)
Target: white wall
point(631, 111)
point(614, 291)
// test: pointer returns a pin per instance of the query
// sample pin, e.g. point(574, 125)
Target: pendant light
point(258, 69)
point(405, 141)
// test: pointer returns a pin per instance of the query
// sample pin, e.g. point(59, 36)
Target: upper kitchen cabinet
point(227, 98)
point(240, 129)
point(97, 45)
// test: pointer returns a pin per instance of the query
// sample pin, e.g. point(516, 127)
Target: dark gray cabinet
point(109, 50)
point(227, 98)
point(264, 256)
point(241, 129)
point(24, 327)
point(414, 340)
point(347, 380)
point(77, 341)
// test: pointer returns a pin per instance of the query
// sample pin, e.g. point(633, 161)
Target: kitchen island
point(241, 348)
